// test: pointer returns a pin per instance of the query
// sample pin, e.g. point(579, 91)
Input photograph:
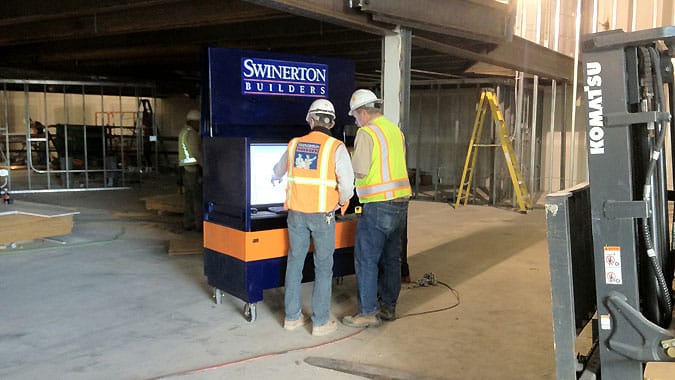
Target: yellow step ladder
point(489, 99)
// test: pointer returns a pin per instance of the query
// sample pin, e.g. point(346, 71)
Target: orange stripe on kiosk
point(268, 244)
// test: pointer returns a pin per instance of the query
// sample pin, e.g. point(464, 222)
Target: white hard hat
point(193, 115)
point(360, 98)
point(321, 109)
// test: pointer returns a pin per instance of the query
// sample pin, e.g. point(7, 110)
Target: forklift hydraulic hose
point(661, 103)
point(665, 297)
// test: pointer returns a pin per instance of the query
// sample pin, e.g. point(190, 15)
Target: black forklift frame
point(624, 78)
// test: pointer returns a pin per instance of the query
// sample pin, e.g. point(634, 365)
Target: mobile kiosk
point(253, 103)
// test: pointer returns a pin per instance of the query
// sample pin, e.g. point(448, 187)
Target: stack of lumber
point(169, 203)
point(23, 221)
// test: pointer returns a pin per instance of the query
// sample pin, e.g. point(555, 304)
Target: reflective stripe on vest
point(185, 157)
point(312, 189)
point(387, 187)
point(391, 180)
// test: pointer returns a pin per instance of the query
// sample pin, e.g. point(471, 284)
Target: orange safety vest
point(312, 182)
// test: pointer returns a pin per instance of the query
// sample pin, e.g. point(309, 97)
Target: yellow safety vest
point(185, 156)
point(388, 176)
point(312, 182)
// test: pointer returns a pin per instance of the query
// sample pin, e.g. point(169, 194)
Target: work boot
point(360, 320)
point(292, 325)
point(325, 329)
point(387, 314)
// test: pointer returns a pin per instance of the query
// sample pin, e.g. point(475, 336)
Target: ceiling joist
point(333, 11)
point(155, 16)
point(518, 54)
point(487, 20)
point(155, 39)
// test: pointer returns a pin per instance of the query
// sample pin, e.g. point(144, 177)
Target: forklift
point(610, 240)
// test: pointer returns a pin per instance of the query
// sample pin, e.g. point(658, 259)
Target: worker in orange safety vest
point(320, 181)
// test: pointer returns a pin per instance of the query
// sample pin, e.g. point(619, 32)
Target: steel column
point(396, 77)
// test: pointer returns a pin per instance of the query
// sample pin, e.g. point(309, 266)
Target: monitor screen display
point(263, 157)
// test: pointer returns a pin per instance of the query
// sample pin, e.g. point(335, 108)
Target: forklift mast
point(628, 79)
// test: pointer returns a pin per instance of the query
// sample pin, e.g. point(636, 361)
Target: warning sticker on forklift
point(613, 265)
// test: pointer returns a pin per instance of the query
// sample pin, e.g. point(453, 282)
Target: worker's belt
point(401, 199)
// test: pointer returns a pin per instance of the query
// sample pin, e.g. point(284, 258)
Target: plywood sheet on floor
point(189, 244)
point(165, 203)
point(23, 221)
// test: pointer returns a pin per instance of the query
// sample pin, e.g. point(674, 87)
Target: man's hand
point(275, 180)
point(343, 208)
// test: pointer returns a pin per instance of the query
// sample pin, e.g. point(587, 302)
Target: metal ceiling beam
point(332, 11)
point(269, 34)
point(22, 11)
point(155, 17)
point(519, 54)
point(124, 53)
point(465, 81)
point(311, 37)
point(484, 20)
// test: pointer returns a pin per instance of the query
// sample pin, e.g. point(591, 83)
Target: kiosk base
point(245, 270)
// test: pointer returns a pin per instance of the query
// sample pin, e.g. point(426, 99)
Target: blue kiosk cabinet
point(253, 103)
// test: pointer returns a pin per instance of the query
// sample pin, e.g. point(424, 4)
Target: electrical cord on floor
point(257, 357)
point(429, 279)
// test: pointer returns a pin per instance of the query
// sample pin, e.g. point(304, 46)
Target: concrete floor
point(111, 304)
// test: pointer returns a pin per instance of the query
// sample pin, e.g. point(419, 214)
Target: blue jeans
point(302, 226)
point(377, 255)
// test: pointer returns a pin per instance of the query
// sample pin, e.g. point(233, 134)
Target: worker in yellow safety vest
point(190, 163)
point(320, 181)
point(384, 190)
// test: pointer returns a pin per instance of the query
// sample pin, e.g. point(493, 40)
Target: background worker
point(190, 162)
point(384, 190)
point(320, 180)
point(38, 129)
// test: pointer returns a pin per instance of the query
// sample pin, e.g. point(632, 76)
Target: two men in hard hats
point(190, 162)
point(384, 190)
point(320, 181)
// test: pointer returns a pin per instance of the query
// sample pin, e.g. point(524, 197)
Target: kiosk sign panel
point(286, 78)
point(264, 94)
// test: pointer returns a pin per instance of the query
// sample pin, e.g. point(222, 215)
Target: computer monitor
point(263, 157)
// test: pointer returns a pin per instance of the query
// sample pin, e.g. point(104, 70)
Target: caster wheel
point(218, 295)
point(249, 312)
